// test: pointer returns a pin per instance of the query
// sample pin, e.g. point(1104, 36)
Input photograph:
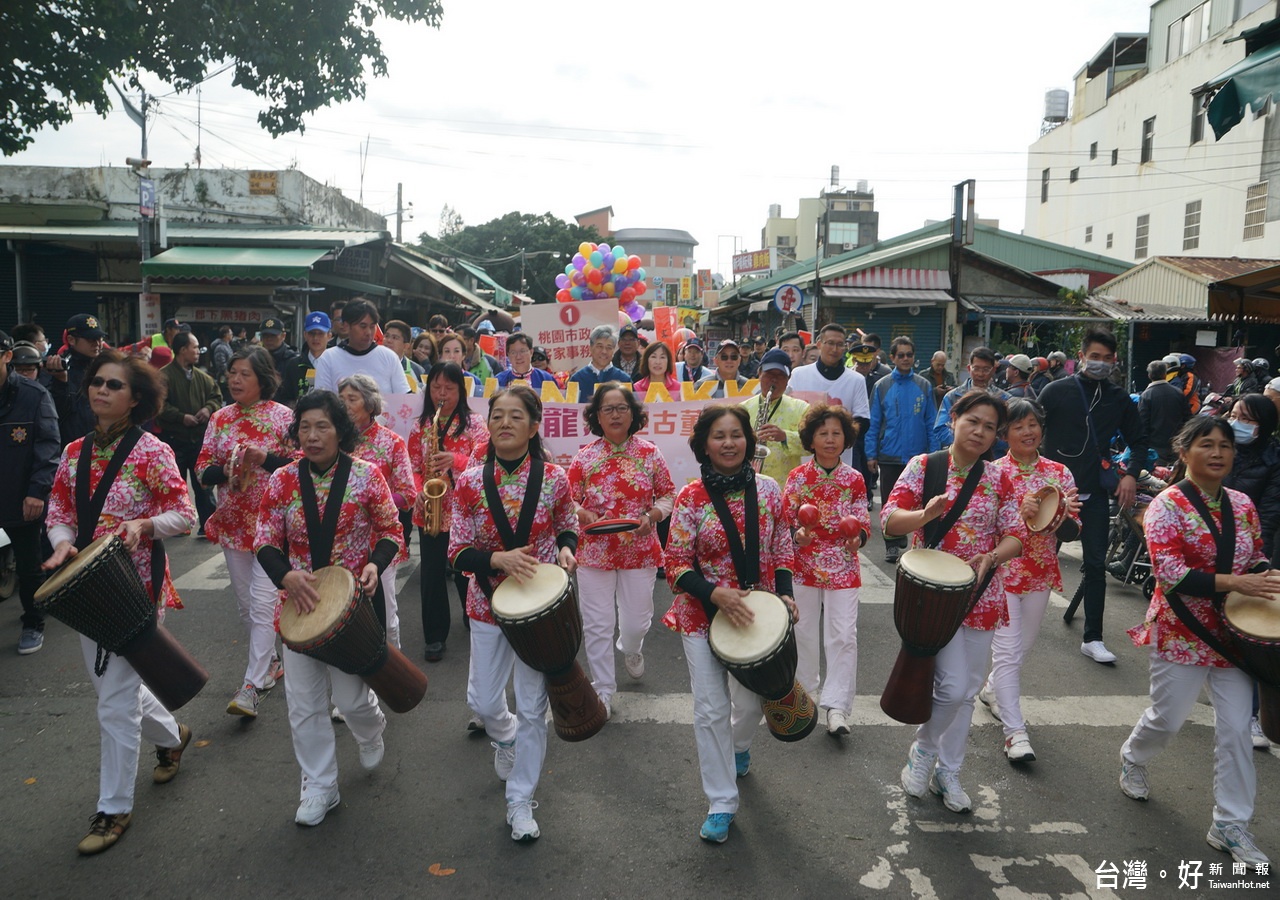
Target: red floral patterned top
point(619, 482)
point(264, 426)
point(991, 514)
point(828, 562)
point(473, 522)
point(1037, 568)
point(697, 541)
point(368, 515)
point(381, 447)
point(1179, 541)
point(148, 484)
point(468, 450)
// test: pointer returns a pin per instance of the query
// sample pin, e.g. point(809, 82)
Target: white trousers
point(712, 724)
point(1009, 651)
point(389, 594)
point(128, 713)
point(257, 598)
point(607, 597)
point(1174, 691)
point(961, 666)
point(492, 663)
point(838, 610)
point(312, 688)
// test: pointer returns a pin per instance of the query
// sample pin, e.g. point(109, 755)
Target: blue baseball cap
point(317, 321)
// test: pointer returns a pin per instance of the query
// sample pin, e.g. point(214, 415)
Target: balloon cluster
point(600, 272)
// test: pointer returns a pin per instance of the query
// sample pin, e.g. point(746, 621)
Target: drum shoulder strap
point(746, 558)
point(89, 506)
point(935, 484)
point(322, 532)
point(528, 512)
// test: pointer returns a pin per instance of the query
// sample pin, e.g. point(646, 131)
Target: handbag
point(1108, 475)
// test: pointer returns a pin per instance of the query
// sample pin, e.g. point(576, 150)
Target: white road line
point(210, 575)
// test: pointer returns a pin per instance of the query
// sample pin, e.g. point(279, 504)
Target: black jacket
point(281, 356)
point(1069, 440)
point(30, 445)
point(75, 416)
point(1256, 473)
point(1164, 409)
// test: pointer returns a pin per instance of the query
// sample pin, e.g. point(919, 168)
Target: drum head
point(759, 639)
point(936, 567)
point(513, 600)
point(336, 586)
point(1050, 499)
point(58, 580)
point(1257, 617)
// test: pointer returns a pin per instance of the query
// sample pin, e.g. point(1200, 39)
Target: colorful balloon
point(585, 248)
point(563, 296)
point(633, 262)
point(596, 258)
point(562, 281)
point(640, 287)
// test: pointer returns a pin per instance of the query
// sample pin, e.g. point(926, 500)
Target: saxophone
point(434, 489)
point(762, 418)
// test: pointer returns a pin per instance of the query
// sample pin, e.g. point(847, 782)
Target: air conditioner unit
point(848, 246)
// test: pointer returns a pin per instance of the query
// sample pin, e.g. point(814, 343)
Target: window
point(1088, 234)
point(1255, 211)
point(840, 233)
point(1075, 175)
point(1148, 139)
point(1044, 186)
point(1141, 236)
point(1111, 239)
point(1244, 7)
point(1191, 226)
point(1197, 117)
point(1115, 156)
point(784, 240)
point(1093, 150)
point(1189, 32)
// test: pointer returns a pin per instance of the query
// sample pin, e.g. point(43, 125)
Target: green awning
point(234, 263)
point(1250, 82)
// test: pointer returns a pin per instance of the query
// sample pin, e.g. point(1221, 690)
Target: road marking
point(210, 575)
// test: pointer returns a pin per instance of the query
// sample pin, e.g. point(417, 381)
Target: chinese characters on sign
point(1134, 875)
point(755, 261)
point(564, 329)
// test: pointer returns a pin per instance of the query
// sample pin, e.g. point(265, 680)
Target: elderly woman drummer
point(146, 499)
point(1204, 540)
point(361, 534)
point(708, 580)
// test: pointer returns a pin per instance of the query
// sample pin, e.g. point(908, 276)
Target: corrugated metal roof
point(1004, 305)
point(1218, 268)
point(187, 233)
point(1116, 308)
point(876, 294)
point(233, 263)
point(440, 278)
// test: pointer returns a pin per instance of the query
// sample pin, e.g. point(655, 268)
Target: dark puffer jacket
point(1256, 473)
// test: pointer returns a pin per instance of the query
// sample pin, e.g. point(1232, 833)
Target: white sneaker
point(244, 703)
point(915, 774)
point(520, 818)
point(635, 665)
point(273, 667)
point(475, 723)
point(312, 810)
point(1133, 780)
point(1097, 651)
point(1238, 842)
point(504, 758)
point(988, 698)
point(608, 708)
point(337, 716)
point(1260, 741)
point(371, 754)
point(1017, 747)
point(946, 784)
point(837, 722)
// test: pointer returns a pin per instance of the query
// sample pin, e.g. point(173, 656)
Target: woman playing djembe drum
point(985, 534)
point(143, 500)
point(244, 443)
point(459, 439)
point(509, 515)
point(362, 535)
point(708, 577)
point(827, 575)
point(1029, 577)
point(618, 476)
point(1204, 540)
point(385, 450)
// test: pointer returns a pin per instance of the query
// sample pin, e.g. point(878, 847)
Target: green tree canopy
point(500, 245)
point(298, 57)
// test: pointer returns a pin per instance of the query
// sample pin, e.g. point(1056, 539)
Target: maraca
point(807, 516)
point(850, 527)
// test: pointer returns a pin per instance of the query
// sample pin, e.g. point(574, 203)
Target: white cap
point(1274, 384)
point(1022, 363)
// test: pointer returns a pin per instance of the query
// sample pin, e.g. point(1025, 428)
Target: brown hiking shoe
point(104, 831)
point(168, 759)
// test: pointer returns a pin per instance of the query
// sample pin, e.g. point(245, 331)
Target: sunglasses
point(729, 356)
point(113, 384)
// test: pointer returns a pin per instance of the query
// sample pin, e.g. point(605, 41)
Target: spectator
point(438, 325)
point(272, 333)
point(728, 359)
point(840, 385)
point(358, 354)
point(396, 337)
point(865, 360)
point(1040, 378)
point(170, 328)
point(1245, 383)
point(601, 367)
point(627, 358)
point(192, 397)
point(941, 379)
point(32, 335)
point(793, 344)
point(1256, 469)
point(1163, 410)
point(424, 350)
point(26, 362)
point(340, 328)
point(982, 366)
point(453, 349)
point(751, 365)
point(1020, 369)
point(1057, 365)
point(220, 352)
point(520, 357)
point(541, 360)
point(692, 368)
point(811, 354)
point(84, 343)
point(658, 367)
point(300, 372)
point(477, 362)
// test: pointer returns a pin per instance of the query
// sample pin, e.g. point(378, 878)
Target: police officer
point(84, 343)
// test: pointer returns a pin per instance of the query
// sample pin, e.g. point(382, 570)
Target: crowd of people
point(278, 457)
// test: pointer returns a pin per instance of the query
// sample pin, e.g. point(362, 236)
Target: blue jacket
point(903, 413)
point(942, 426)
point(586, 379)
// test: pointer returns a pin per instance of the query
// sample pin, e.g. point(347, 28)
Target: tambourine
point(612, 526)
point(1053, 509)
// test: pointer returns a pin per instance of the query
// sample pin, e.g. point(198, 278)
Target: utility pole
point(399, 212)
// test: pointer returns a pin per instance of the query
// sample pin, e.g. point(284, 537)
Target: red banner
point(665, 323)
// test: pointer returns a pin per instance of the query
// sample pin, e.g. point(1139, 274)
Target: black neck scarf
point(831, 373)
point(322, 528)
point(511, 539)
point(744, 544)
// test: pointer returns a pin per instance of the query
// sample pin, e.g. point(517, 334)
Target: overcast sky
point(678, 114)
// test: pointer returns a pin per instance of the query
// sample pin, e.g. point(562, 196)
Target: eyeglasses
point(113, 384)
point(26, 367)
point(729, 356)
point(538, 357)
point(615, 410)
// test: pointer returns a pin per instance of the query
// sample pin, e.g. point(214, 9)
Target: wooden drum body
point(343, 631)
point(934, 593)
point(99, 593)
point(763, 658)
point(541, 621)
point(1254, 625)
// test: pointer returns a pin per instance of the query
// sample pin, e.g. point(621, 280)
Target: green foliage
point(298, 57)
point(497, 245)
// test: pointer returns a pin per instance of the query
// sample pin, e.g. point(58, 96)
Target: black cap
point(272, 325)
point(25, 354)
point(626, 330)
point(540, 351)
point(6, 342)
point(84, 325)
point(776, 361)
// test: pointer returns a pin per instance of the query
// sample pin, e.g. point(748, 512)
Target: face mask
point(1097, 369)
point(1245, 431)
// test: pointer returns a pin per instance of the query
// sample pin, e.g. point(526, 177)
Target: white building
point(1134, 171)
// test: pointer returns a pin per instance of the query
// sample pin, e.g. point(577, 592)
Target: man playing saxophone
point(777, 417)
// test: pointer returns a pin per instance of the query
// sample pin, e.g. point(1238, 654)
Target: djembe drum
point(1254, 626)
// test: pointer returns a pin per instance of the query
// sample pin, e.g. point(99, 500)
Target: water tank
point(835, 176)
point(775, 210)
point(1056, 102)
point(863, 187)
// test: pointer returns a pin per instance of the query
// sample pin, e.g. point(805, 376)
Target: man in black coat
point(30, 444)
point(1081, 415)
point(1164, 410)
point(84, 343)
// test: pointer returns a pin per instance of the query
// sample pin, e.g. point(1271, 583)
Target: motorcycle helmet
point(1188, 361)
point(1245, 364)
point(1042, 364)
point(1261, 367)
point(1173, 362)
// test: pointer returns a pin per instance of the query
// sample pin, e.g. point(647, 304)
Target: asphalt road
point(619, 813)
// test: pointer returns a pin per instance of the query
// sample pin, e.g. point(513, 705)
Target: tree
point(298, 57)
point(450, 222)
point(517, 241)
